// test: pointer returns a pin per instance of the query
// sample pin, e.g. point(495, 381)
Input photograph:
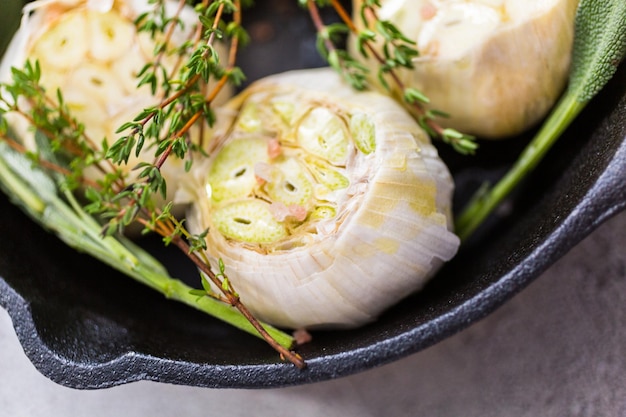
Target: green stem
point(478, 209)
point(71, 224)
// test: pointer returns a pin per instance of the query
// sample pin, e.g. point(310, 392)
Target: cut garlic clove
point(326, 175)
point(249, 221)
point(495, 66)
point(232, 175)
point(111, 35)
point(322, 133)
point(290, 185)
point(126, 68)
point(61, 47)
point(91, 82)
point(361, 232)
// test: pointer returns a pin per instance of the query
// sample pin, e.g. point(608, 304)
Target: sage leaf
point(599, 45)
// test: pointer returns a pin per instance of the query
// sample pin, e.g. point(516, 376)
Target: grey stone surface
point(556, 349)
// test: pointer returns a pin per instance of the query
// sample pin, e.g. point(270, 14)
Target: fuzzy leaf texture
point(599, 45)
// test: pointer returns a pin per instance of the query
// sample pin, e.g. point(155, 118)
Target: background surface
point(556, 349)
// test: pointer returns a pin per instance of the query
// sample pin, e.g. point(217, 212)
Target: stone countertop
point(556, 349)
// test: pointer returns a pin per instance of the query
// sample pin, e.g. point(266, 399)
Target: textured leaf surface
point(599, 45)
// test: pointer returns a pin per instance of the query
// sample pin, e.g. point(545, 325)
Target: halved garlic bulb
point(92, 52)
point(326, 205)
point(496, 66)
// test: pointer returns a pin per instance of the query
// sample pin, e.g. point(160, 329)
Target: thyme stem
point(124, 202)
point(233, 299)
point(355, 73)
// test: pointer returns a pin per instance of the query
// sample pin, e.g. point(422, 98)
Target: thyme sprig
point(167, 125)
point(64, 150)
point(64, 135)
point(383, 41)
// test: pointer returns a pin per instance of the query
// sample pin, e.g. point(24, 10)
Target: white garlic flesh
point(92, 52)
point(326, 205)
point(495, 66)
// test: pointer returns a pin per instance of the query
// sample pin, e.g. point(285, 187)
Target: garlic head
point(92, 52)
point(325, 205)
point(495, 66)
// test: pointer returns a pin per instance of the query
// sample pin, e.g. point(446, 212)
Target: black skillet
point(84, 325)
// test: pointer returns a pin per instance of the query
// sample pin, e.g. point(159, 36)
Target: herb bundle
point(90, 191)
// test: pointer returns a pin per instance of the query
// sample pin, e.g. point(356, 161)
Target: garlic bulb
point(496, 66)
point(326, 205)
point(92, 51)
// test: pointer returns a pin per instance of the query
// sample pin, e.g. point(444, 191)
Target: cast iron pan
point(84, 325)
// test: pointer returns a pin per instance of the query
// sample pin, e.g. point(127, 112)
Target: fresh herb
point(43, 181)
point(383, 41)
point(36, 192)
point(599, 46)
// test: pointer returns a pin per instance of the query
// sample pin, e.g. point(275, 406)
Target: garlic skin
point(92, 52)
point(326, 205)
point(495, 66)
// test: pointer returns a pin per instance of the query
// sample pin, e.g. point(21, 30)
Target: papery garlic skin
point(495, 66)
point(92, 52)
point(376, 200)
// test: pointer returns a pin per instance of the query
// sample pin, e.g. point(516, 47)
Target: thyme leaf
point(385, 42)
point(117, 199)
